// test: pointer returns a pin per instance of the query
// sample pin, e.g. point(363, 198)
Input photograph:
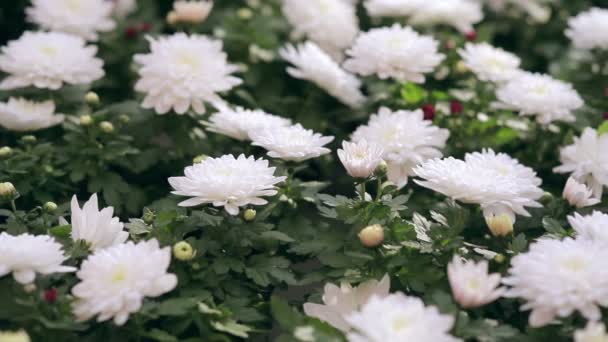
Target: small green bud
point(92, 99)
point(199, 159)
point(149, 216)
point(8, 191)
point(28, 139)
point(546, 198)
point(183, 251)
point(48, 169)
point(381, 169)
point(499, 258)
point(86, 120)
point(249, 215)
point(372, 236)
point(49, 207)
point(5, 151)
point(106, 127)
point(124, 118)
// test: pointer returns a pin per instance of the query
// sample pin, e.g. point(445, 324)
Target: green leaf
point(603, 128)
point(276, 235)
point(412, 94)
point(552, 225)
point(232, 327)
point(176, 306)
point(160, 335)
point(61, 232)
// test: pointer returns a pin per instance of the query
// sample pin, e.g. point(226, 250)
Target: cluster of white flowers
point(47, 60)
point(238, 123)
point(589, 29)
point(182, 72)
point(490, 63)
point(393, 52)
point(19, 114)
point(406, 139)
point(293, 143)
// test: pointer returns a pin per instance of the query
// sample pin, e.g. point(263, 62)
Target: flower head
point(593, 332)
point(97, 227)
point(227, 182)
point(586, 159)
point(332, 24)
point(578, 194)
point(397, 317)
point(47, 60)
point(360, 159)
point(592, 227)
point(238, 123)
point(341, 301)
point(406, 139)
point(471, 284)
point(82, 18)
point(192, 11)
point(589, 29)
point(557, 278)
point(115, 280)
point(19, 114)
point(540, 95)
point(25, 255)
point(184, 71)
point(490, 63)
point(393, 52)
point(312, 64)
point(497, 182)
point(291, 143)
point(460, 14)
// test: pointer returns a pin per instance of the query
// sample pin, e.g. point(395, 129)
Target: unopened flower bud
point(86, 120)
point(106, 127)
point(48, 169)
point(499, 258)
point(372, 236)
point(5, 151)
point(547, 197)
point(500, 225)
point(381, 169)
point(191, 12)
point(149, 216)
point(200, 158)
point(49, 207)
point(28, 139)
point(249, 215)
point(171, 18)
point(29, 288)
point(8, 191)
point(461, 68)
point(124, 118)
point(244, 13)
point(92, 99)
point(50, 295)
point(183, 251)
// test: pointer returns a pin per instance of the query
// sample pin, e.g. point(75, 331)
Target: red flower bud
point(456, 107)
point(145, 27)
point(131, 32)
point(471, 36)
point(429, 111)
point(605, 115)
point(50, 295)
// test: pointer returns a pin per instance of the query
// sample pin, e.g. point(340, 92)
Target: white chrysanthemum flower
point(406, 138)
point(237, 123)
point(460, 14)
point(592, 227)
point(184, 71)
point(578, 194)
point(497, 182)
point(115, 280)
point(47, 60)
point(312, 64)
point(490, 63)
point(192, 11)
point(19, 114)
point(360, 159)
point(79, 17)
point(586, 159)
point(291, 143)
point(332, 24)
point(391, 8)
point(471, 284)
point(123, 8)
point(589, 29)
point(593, 332)
point(341, 301)
point(540, 95)
point(97, 227)
point(557, 278)
point(538, 10)
point(25, 255)
point(397, 317)
point(393, 52)
point(227, 182)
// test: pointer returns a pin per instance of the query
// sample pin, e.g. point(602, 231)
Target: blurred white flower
point(593, 332)
point(182, 72)
point(397, 317)
point(19, 114)
point(360, 159)
point(393, 52)
point(578, 194)
point(592, 227)
point(460, 14)
point(227, 182)
point(47, 60)
point(557, 278)
point(82, 18)
point(339, 302)
point(25, 255)
point(391, 8)
point(589, 29)
point(539, 95)
point(489, 63)
point(332, 24)
point(312, 64)
point(237, 123)
point(471, 284)
point(538, 10)
point(97, 227)
point(586, 159)
point(193, 12)
point(115, 280)
point(123, 8)
point(291, 143)
point(497, 182)
point(406, 138)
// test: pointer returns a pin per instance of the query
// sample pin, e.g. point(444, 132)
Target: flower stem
point(362, 191)
point(13, 206)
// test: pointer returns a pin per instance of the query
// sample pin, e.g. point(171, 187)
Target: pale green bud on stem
point(249, 215)
point(86, 120)
point(372, 236)
point(92, 99)
point(183, 251)
point(5, 151)
point(49, 207)
point(106, 127)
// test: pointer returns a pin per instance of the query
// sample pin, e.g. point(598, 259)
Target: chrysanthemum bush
point(290, 170)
